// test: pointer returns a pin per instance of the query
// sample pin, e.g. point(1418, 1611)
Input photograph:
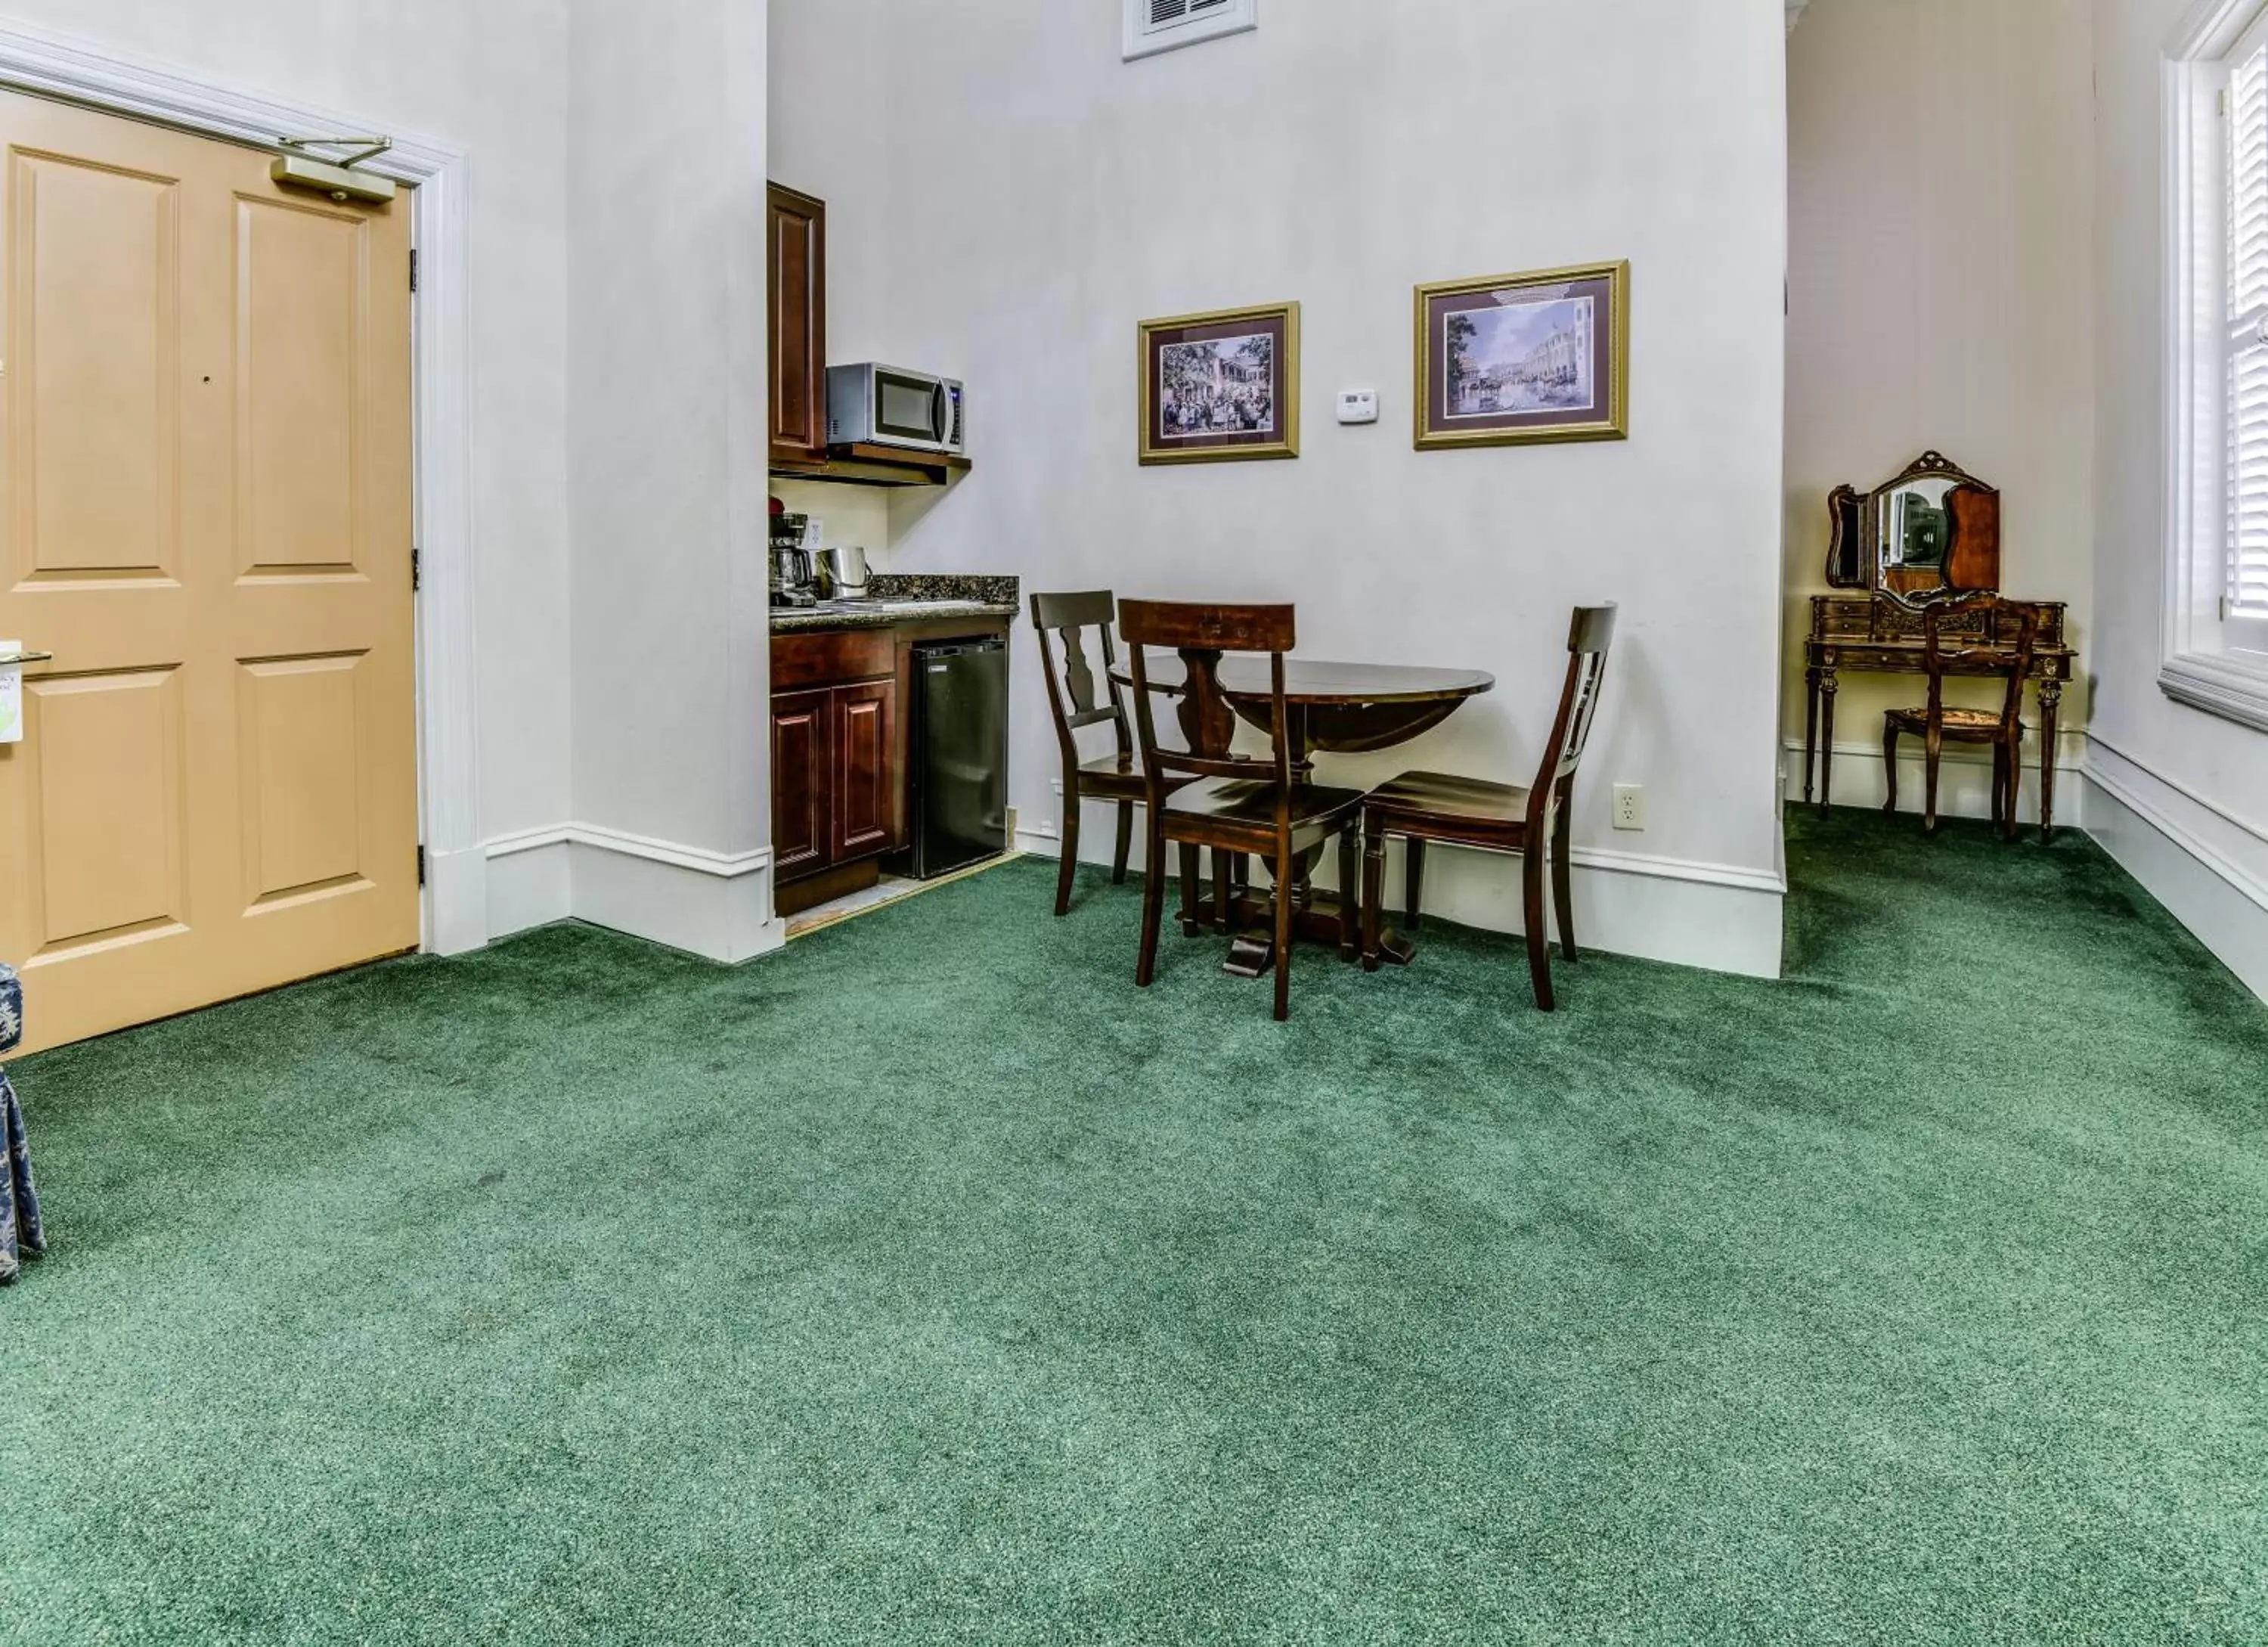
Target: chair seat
point(11, 1009)
point(1959, 723)
point(1115, 775)
point(1418, 796)
point(1249, 803)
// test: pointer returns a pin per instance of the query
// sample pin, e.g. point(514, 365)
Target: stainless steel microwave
point(876, 405)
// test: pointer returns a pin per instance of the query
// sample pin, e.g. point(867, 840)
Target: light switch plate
point(1359, 406)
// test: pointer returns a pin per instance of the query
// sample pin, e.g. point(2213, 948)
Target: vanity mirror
point(1934, 527)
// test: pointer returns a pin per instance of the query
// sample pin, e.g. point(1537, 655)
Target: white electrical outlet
point(1630, 806)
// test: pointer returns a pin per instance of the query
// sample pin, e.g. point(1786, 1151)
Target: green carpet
point(929, 1282)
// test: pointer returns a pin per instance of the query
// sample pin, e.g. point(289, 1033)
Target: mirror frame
point(1854, 553)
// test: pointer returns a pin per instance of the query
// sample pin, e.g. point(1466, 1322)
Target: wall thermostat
point(1359, 406)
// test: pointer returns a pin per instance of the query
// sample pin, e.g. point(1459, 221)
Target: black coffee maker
point(794, 581)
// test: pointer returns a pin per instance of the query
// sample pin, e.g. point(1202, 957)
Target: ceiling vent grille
point(1156, 25)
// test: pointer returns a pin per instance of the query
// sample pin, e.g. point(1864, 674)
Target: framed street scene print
point(1512, 358)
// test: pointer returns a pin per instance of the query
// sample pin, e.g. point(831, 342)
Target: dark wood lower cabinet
point(840, 704)
point(802, 819)
point(838, 776)
point(868, 780)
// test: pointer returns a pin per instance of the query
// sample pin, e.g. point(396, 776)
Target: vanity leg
point(2051, 708)
point(1826, 687)
point(1810, 729)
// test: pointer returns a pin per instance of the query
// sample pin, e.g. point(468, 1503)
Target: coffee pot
point(792, 574)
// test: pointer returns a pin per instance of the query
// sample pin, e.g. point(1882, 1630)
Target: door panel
point(205, 515)
point(302, 806)
point(801, 812)
point(301, 282)
point(101, 340)
point(107, 753)
point(865, 734)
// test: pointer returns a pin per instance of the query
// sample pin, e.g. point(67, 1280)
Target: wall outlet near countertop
point(1630, 806)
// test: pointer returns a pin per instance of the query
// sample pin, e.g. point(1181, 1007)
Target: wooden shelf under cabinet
point(876, 466)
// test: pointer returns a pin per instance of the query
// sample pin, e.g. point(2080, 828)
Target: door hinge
point(421, 865)
point(416, 570)
point(413, 269)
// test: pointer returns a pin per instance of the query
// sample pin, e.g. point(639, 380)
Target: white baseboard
point(1717, 917)
point(457, 913)
point(711, 905)
point(530, 885)
point(2207, 866)
point(1964, 783)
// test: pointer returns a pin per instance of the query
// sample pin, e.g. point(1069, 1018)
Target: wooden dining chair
point(1936, 725)
point(1063, 621)
point(1235, 804)
point(1422, 806)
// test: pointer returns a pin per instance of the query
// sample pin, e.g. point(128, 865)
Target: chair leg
point(1192, 862)
point(1373, 895)
point(2014, 757)
point(1932, 753)
point(1539, 941)
point(2000, 783)
point(1563, 877)
point(1890, 764)
point(1153, 906)
point(1287, 874)
point(1413, 882)
point(1069, 873)
point(1125, 843)
point(1350, 891)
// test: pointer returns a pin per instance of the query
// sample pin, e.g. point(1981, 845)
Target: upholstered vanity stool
point(19, 1206)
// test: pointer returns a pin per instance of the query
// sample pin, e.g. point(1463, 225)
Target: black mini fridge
point(960, 780)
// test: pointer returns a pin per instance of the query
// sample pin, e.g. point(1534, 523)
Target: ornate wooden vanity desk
point(1931, 531)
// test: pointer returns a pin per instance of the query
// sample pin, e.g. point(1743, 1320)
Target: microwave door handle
point(943, 402)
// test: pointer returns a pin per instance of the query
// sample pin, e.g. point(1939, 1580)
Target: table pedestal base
point(1321, 918)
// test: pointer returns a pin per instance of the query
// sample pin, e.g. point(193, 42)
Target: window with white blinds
point(2248, 335)
point(2214, 652)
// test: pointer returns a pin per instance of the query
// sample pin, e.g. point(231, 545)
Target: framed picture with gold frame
point(1221, 386)
point(1508, 359)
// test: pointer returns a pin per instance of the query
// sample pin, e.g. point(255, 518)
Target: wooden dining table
point(1337, 708)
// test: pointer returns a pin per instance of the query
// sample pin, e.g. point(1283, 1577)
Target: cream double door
point(205, 516)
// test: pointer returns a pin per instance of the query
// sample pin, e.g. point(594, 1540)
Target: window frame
point(2209, 660)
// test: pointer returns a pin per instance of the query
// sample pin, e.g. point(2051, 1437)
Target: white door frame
point(455, 900)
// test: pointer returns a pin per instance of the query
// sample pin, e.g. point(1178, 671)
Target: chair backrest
point(1991, 608)
point(1072, 692)
point(1201, 634)
point(1590, 636)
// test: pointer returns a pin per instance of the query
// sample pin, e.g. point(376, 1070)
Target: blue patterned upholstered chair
point(20, 1205)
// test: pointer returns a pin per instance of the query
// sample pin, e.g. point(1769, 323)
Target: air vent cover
point(1156, 25)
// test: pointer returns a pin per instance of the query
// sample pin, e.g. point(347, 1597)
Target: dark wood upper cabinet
point(796, 244)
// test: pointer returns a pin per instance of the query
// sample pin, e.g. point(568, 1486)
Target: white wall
point(492, 80)
point(666, 443)
point(1941, 295)
point(1023, 198)
point(2180, 796)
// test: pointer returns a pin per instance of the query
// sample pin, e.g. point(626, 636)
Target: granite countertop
point(906, 599)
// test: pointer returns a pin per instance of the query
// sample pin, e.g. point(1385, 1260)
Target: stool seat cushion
point(12, 1008)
